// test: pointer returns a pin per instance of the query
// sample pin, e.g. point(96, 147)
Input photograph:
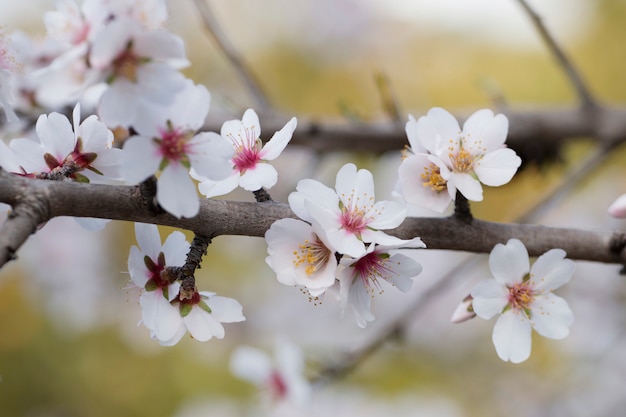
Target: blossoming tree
point(145, 154)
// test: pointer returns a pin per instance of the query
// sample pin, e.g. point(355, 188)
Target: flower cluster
point(164, 312)
point(340, 241)
point(444, 159)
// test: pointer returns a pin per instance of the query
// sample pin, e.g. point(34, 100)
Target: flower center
point(247, 149)
point(173, 144)
point(521, 296)
point(126, 64)
point(432, 178)
point(353, 212)
point(277, 385)
point(371, 267)
point(462, 161)
point(312, 256)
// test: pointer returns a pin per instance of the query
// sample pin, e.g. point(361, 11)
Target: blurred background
point(69, 340)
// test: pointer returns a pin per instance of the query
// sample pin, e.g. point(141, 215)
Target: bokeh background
point(69, 341)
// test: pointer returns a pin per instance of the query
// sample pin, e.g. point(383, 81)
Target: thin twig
point(574, 76)
point(222, 41)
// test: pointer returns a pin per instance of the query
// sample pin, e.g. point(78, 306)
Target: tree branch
point(242, 70)
point(572, 74)
point(223, 217)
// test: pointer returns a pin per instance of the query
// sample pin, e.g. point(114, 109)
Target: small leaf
point(51, 161)
point(204, 306)
point(151, 285)
point(185, 309)
point(150, 265)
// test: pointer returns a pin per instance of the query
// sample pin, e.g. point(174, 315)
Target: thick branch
point(531, 132)
point(222, 217)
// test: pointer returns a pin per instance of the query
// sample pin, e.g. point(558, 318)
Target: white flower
point(299, 256)
point(140, 66)
point(455, 159)
point(347, 217)
point(523, 299)
point(250, 169)
point(80, 153)
point(7, 68)
point(167, 143)
point(361, 278)
point(202, 316)
point(618, 207)
point(147, 267)
point(281, 377)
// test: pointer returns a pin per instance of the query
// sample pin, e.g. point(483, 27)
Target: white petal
point(490, 298)
point(263, 175)
point(511, 337)
point(209, 188)
point(484, 131)
point(360, 301)
point(251, 365)
point(498, 167)
point(509, 263)
point(551, 316)
point(176, 193)
point(28, 155)
point(91, 224)
point(317, 193)
point(386, 215)
point(175, 249)
point(551, 270)
point(404, 269)
point(149, 240)
point(412, 134)
point(436, 128)
point(159, 44)
point(224, 309)
point(141, 159)
point(137, 267)
point(210, 155)
point(467, 185)
point(352, 184)
point(56, 135)
point(251, 122)
point(202, 326)
point(279, 141)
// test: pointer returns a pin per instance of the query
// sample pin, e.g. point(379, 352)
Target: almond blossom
point(445, 158)
point(7, 68)
point(281, 377)
point(618, 207)
point(140, 65)
point(250, 169)
point(147, 265)
point(522, 296)
point(167, 143)
point(202, 316)
point(162, 311)
point(361, 278)
point(347, 217)
point(299, 256)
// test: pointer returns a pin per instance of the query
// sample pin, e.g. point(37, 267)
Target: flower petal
point(176, 193)
point(149, 240)
point(140, 159)
point(551, 316)
point(511, 337)
point(175, 249)
point(279, 141)
point(436, 129)
point(509, 263)
point(202, 326)
point(262, 175)
point(551, 270)
point(490, 297)
point(498, 167)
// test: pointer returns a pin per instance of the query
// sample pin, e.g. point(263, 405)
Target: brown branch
point(572, 74)
point(531, 131)
point(223, 217)
point(247, 77)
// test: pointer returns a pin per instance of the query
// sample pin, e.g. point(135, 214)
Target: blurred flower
point(167, 142)
point(140, 65)
point(7, 68)
point(299, 256)
point(250, 169)
point(618, 207)
point(280, 377)
point(446, 159)
point(347, 217)
point(360, 278)
point(523, 299)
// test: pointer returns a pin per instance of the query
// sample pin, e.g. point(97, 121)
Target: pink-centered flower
point(167, 143)
point(445, 158)
point(147, 265)
point(250, 169)
point(280, 377)
point(522, 296)
point(348, 217)
point(361, 278)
